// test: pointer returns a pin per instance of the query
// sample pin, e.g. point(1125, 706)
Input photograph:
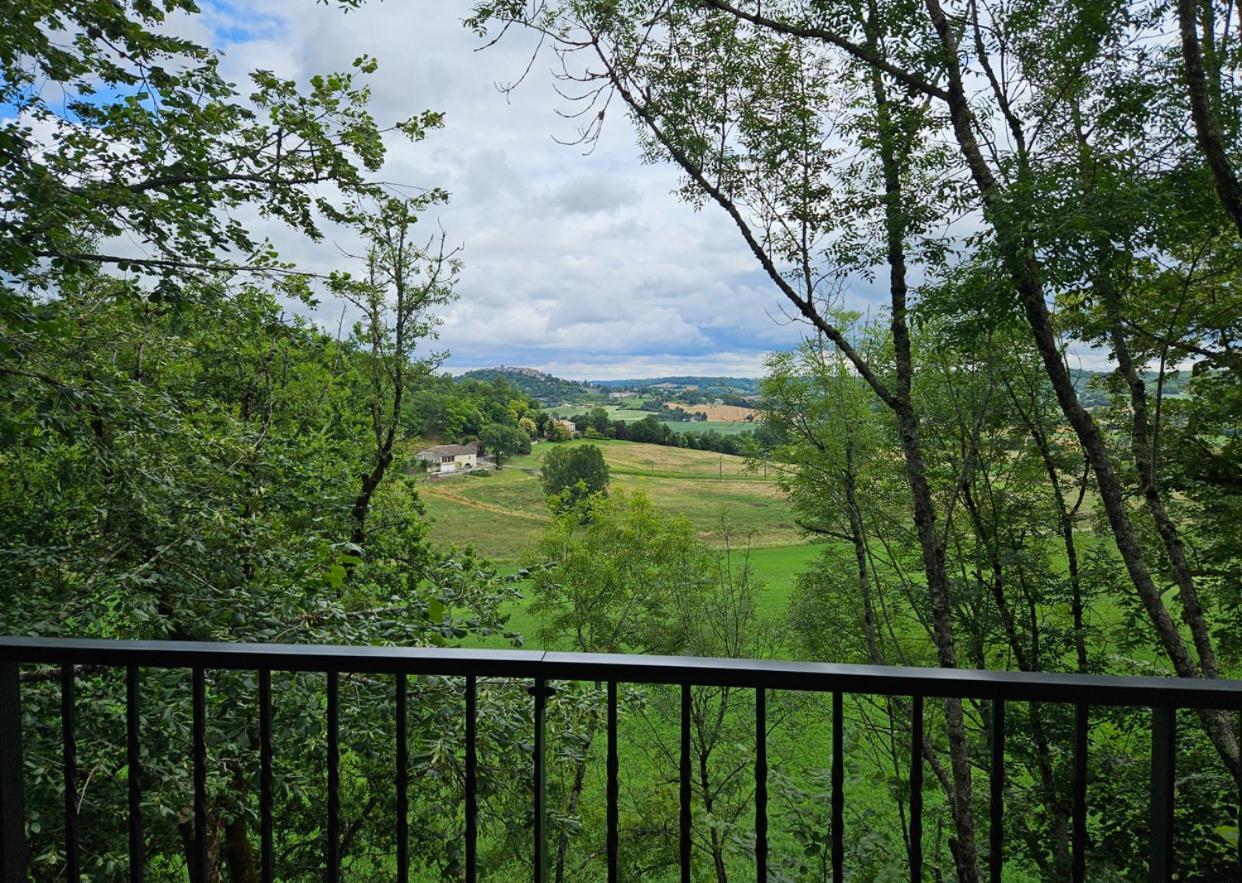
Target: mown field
point(503, 514)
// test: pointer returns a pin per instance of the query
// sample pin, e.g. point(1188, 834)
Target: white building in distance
point(444, 459)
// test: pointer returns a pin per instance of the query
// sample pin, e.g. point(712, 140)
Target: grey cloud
point(590, 193)
point(584, 262)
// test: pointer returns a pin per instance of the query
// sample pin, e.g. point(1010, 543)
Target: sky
point(582, 264)
point(587, 266)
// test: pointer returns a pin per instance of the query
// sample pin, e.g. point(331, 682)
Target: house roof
point(449, 450)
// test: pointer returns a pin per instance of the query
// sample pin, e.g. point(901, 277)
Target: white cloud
point(583, 264)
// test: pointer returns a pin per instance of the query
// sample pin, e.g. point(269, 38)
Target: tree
point(503, 441)
point(144, 140)
point(651, 431)
point(601, 422)
point(405, 283)
point(1072, 217)
point(616, 575)
point(557, 432)
point(190, 452)
point(220, 443)
point(572, 474)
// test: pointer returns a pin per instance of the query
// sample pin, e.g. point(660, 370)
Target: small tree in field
point(504, 441)
point(601, 422)
point(572, 474)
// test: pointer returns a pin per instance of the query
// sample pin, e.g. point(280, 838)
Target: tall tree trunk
point(933, 552)
point(859, 542)
point(370, 482)
point(575, 795)
point(1024, 270)
point(715, 846)
point(238, 853)
point(1207, 125)
point(1143, 453)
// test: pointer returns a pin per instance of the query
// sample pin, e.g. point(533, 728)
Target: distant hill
point(552, 390)
point(693, 388)
point(707, 386)
point(540, 385)
point(1093, 386)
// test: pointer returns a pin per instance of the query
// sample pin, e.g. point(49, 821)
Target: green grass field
point(503, 514)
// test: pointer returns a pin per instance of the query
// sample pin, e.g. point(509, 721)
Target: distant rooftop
point(450, 450)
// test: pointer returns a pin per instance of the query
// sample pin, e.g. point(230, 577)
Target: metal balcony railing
point(1163, 695)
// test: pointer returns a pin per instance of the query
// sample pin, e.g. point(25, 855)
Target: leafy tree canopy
point(572, 474)
point(504, 441)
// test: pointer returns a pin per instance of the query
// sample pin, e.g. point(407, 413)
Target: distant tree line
point(651, 430)
point(449, 408)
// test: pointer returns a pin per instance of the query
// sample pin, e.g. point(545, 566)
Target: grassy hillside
point(502, 514)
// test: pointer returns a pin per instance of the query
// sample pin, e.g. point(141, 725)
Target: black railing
point(1163, 695)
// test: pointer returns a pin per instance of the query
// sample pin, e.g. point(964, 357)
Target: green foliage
point(190, 474)
point(185, 456)
point(537, 385)
point(615, 571)
point(616, 575)
point(600, 422)
point(119, 128)
point(458, 409)
point(504, 441)
point(571, 475)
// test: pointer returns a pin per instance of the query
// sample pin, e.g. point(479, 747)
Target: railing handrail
point(963, 683)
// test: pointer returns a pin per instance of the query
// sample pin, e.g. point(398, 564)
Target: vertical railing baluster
point(134, 777)
point(1163, 748)
point(996, 833)
point(334, 778)
point(472, 780)
point(69, 753)
point(541, 691)
point(761, 785)
point(916, 790)
point(403, 786)
point(12, 797)
point(684, 828)
point(1080, 793)
point(838, 792)
point(613, 833)
point(198, 870)
point(267, 857)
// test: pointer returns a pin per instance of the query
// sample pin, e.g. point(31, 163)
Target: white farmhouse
point(445, 459)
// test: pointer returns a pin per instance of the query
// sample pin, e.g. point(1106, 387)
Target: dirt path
point(484, 507)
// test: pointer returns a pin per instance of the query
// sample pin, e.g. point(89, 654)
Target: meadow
point(503, 513)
